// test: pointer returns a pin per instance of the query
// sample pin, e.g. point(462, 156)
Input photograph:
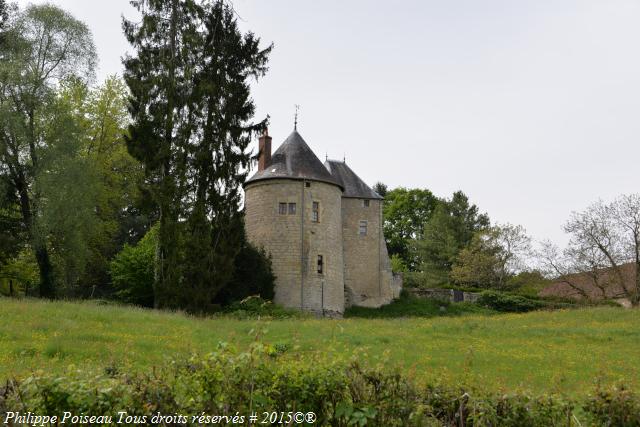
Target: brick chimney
point(264, 150)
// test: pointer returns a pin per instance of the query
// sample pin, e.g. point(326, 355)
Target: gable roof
point(352, 184)
point(294, 160)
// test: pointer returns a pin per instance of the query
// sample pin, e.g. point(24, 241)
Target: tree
point(42, 47)
point(494, 256)
point(450, 228)
point(159, 77)
point(191, 106)
point(114, 190)
point(132, 270)
point(605, 239)
point(405, 212)
point(381, 188)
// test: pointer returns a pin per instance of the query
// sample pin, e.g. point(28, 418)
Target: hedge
point(227, 382)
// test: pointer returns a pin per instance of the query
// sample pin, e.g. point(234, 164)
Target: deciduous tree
point(42, 46)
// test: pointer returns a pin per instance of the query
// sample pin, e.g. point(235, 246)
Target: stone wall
point(445, 295)
point(295, 241)
point(367, 275)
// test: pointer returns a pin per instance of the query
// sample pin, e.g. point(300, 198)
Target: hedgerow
point(260, 380)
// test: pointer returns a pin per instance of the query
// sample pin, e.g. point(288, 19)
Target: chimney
point(264, 150)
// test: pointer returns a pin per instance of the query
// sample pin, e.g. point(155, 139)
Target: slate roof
point(295, 160)
point(352, 184)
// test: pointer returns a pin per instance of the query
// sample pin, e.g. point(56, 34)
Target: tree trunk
point(47, 287)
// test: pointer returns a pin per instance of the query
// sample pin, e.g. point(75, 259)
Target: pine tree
point(192, 125)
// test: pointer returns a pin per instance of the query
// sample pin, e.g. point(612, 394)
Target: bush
point(226, 382)
point(254, 306)
point(132, 274)
point(411, 306)
point(252, 276)
point(509, 303)
point(132, 270)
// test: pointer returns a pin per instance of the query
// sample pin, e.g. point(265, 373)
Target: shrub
point(508, 303)
point(132, 270)
point(252, 276)
point(254, 306)
point(132, 274)
point(226, 382)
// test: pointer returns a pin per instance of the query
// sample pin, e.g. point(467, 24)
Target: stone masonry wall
point(368, 274)
point(294, 245)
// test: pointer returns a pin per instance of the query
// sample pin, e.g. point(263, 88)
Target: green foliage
point(397, 264)
point(614, 406)
point(527, 283)
point(255, 307)
point(227, 382)
point(22, 270)
point(405, 211)
point(132, 270)
point(500, 301)
point(493, 256)
point(43, 47)
point(132, 273)
point(411, 306)
point(252, 275)
point(192, 110)
point(450, 228)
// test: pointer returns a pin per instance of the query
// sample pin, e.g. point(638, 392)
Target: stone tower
point(322, 226)
point(368, 279)
point(293, 210)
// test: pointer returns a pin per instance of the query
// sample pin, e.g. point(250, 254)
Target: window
point(307, 184)
point(282, 209)
point(292, 208)
point(365, 203)
point(363, 228)
point(320, 264)
point(315, 212)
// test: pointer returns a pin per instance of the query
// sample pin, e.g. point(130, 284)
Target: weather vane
point(295, 122)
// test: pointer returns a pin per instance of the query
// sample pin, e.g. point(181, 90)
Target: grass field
point(563, 351)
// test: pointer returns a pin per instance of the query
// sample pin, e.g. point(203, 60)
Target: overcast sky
point(532, 108)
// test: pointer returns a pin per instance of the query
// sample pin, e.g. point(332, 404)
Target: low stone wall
point(445, 295)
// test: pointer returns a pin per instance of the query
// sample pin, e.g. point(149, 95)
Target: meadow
point(562, 351)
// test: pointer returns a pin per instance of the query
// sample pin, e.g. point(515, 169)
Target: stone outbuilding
point(322, 226)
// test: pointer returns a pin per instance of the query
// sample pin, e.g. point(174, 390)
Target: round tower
point(293, 210)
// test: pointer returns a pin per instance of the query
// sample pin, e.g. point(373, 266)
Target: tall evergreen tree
point(192, 114)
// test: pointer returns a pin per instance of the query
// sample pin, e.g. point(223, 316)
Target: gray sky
point(532, 108)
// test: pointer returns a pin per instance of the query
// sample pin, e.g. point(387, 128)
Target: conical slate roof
point(352, 184)
point(295, 160)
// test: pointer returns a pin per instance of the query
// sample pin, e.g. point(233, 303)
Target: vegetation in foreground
point(563, 351)
point(336, 393)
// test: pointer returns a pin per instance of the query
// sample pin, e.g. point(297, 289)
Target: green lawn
point(563, 350)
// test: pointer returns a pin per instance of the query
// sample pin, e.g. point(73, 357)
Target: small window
point(315, 212)
point(320, 264)
point(365, 203)
point(363, 228)
point(292, 208)
point(282, 210)
point(307, 184)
